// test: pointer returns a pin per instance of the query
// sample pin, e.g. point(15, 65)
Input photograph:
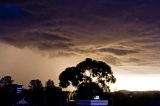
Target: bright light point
point(87, 73)
point(96, 97)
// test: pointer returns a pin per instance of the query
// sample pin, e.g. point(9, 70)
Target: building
point(96, 101)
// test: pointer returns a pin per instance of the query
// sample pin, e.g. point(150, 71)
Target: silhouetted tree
point(50, 84)
point(6, 82)
point(35, 94)
point(36, 85)
point(52, 94)
point(85, 73)
point(8, 94)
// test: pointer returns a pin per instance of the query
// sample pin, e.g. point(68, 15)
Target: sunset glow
point(137, 83)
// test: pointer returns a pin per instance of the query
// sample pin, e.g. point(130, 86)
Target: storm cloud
point(89, 27)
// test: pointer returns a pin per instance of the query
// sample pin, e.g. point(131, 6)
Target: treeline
point(80, 76)
point(36, 95)
point(51, 95)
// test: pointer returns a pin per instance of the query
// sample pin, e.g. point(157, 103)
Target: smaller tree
point(6, 81)
point(52, 94)
point(35, 94)
point(50, 84)
point(8, 94)
point(35, 85)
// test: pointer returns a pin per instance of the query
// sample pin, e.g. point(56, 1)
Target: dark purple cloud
point(74, 25)
point(119, 52)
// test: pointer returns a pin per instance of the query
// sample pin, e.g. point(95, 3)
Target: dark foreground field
point(126, 98)
point(119, 98)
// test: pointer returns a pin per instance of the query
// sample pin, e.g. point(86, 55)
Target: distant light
point(96, 97)
point(19, 89)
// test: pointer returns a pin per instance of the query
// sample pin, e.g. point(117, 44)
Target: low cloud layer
point(119, 52)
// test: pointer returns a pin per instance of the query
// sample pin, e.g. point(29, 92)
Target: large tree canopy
point(86, 72)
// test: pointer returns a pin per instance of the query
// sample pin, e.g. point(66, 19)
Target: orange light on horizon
point(137, 83)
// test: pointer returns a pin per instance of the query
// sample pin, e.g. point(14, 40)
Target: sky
point(40, 38)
